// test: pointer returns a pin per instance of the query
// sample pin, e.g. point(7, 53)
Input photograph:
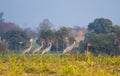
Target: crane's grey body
point(28, 49)
point(37, 50)
point(69, 48)
point(47, 50)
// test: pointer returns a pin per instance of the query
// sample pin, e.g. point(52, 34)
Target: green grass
point(59, 65)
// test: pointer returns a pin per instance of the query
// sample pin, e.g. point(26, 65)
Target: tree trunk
point(57, 46)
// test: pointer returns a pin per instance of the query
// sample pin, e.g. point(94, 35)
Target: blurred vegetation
point(59, 65)
point(101, 33)
point(104, 37)
point(3, 47)
point(13, 35)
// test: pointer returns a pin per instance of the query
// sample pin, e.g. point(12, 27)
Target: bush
point(3, 47)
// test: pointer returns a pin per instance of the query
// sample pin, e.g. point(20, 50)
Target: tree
point(64, 33)
point(104, 37)
point(7, 26)
point(13, 38)
point(58, 40)
point(100, 25)
point(102, 43)
point(45, 32)
point(46, 36)
point(45, 25)
point(117, 36)
point(31, 33)
point(82, 46)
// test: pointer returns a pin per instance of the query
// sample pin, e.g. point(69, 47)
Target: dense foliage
point(103, 36)
point(13, 35)
point(101, 33)
point(57, 37)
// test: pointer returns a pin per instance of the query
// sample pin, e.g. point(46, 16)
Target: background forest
point(100, 33)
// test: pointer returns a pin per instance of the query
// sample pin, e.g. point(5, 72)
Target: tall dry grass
point(60, 65)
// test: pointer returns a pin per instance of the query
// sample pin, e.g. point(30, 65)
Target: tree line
point(101, 33)
point(104, 37)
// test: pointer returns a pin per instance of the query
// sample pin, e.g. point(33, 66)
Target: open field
point(59, 65)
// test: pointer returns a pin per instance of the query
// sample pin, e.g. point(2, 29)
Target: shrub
point(3, 47)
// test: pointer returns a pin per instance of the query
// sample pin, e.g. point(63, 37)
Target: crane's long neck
point(30, 45)
point(50, 44)
point(73, 44)
point(41, 45)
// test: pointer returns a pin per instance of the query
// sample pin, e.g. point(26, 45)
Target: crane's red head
point(75, 40)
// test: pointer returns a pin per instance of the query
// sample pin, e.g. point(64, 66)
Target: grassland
point(59, 65)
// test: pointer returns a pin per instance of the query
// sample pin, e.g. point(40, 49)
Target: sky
point(30, 13)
